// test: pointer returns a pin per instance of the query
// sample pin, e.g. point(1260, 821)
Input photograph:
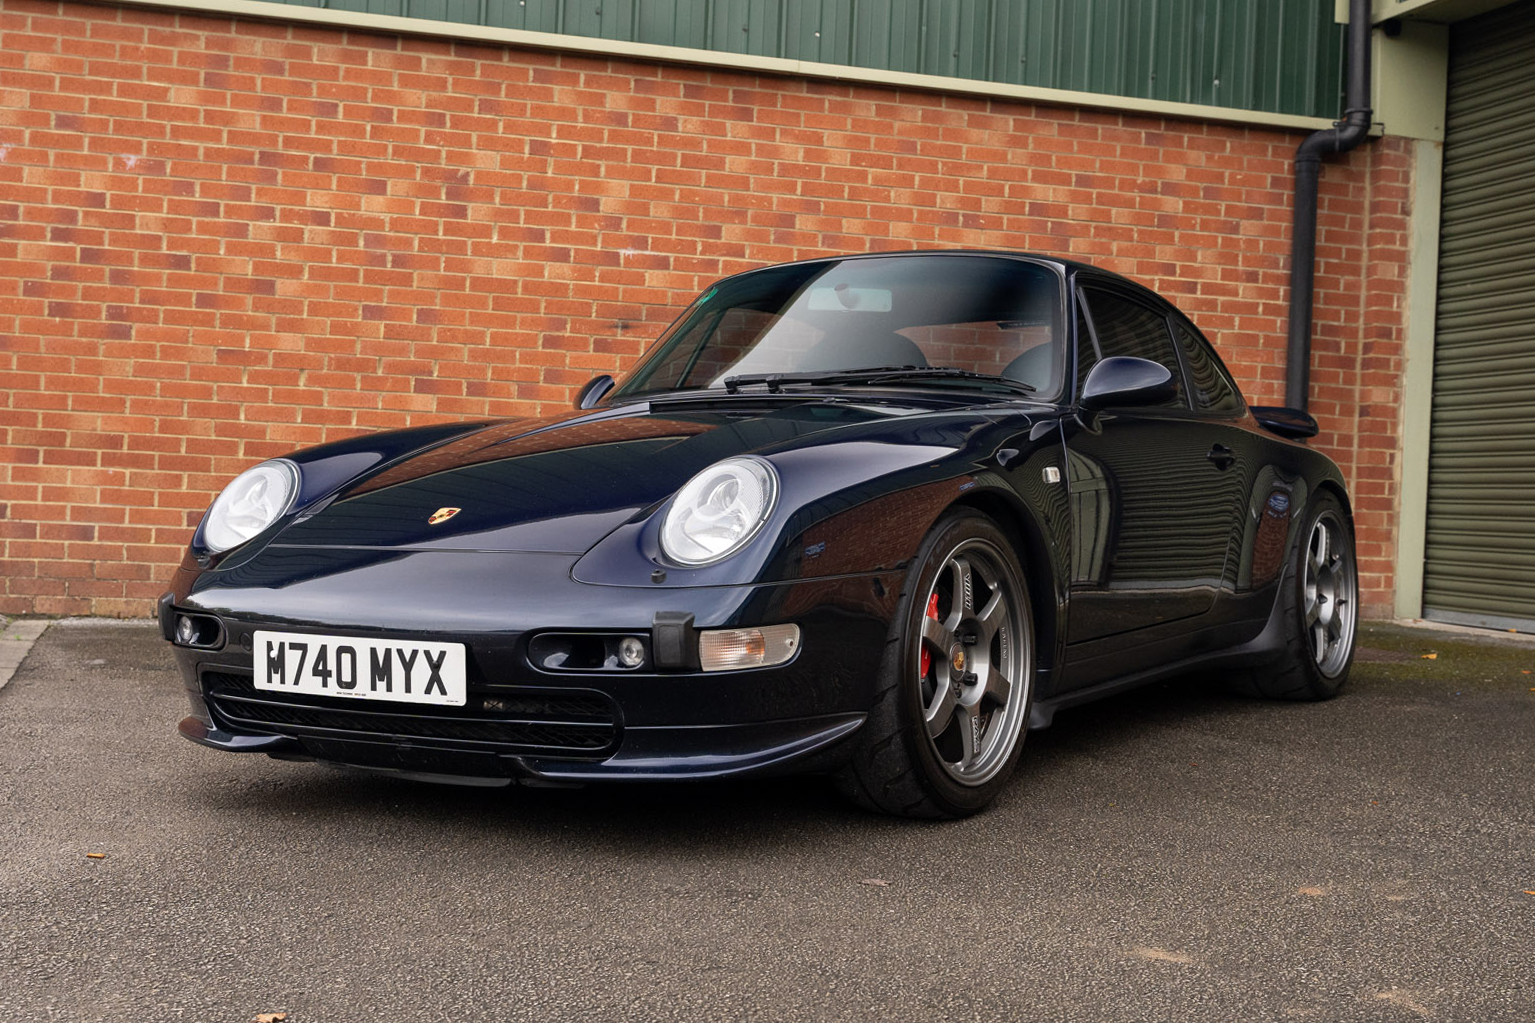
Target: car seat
point(1035, 367)
point(840, 351)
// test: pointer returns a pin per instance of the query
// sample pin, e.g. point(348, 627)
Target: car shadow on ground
point(706, 811)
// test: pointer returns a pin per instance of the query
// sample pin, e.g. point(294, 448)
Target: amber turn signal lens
point(733, 649)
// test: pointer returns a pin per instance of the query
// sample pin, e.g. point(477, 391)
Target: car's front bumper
point(526, 723)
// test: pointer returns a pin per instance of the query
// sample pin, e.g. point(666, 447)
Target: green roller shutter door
point(1480, 559)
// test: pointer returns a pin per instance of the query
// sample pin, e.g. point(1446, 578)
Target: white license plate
point(404, 671)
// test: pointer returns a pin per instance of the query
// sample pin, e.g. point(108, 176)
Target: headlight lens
point(719, 510)
point(255, 500)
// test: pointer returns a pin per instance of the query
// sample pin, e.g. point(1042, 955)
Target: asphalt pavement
point(1174, 854)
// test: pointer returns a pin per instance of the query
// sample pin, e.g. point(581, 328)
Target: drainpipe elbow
point(1354, 128)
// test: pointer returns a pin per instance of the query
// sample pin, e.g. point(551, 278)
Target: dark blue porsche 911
point(873, 517)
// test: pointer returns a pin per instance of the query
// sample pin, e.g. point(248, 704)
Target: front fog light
point(199, 631)
point(732, 649)
point(631, 652)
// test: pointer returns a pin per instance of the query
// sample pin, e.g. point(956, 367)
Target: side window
point(1211, 386)
point(1123, 327)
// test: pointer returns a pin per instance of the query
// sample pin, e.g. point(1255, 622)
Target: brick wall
point(220, 240)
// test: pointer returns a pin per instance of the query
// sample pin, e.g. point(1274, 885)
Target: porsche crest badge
point(442, 515)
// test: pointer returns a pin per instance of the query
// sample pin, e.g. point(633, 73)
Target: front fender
point(851, 508)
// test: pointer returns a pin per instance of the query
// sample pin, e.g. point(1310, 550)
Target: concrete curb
point(1473, 632)
point(16, 638)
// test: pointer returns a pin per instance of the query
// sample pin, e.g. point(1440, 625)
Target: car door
point(1153, 494)
point(1262, 494)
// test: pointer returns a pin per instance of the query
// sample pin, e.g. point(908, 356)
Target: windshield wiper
point(878, 375)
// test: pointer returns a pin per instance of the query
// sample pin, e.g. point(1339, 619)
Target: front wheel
point(957, 679)
point(1321, 612)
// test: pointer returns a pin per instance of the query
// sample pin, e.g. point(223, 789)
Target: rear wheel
point(956, 681)
point(1321, 591)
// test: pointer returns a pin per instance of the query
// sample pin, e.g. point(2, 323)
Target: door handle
point(1222, 456)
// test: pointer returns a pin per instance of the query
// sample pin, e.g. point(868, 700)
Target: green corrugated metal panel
point(1479, 565)
point(1283, 56)
point(528, 15)
point(1074, 47)
point(672, 23)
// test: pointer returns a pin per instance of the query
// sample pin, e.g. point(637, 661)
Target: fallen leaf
point(95, 856)
point(270, 1017)
point(1523, 672)
point(1162, 955)
point(876, 882)
point(1309, 891)
point(1406, 999)
point(1430, 657)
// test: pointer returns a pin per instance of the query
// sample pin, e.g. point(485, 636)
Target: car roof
point(1058, 263)
point(1061, 263)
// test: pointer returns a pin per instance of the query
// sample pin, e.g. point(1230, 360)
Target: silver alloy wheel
point(973, 663)
point(1329, 589)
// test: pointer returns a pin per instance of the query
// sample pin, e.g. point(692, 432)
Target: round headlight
point(719, 510)
point(255, 500)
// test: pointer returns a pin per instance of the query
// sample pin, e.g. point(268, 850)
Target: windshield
point(988, 315)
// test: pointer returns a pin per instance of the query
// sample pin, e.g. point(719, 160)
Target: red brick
point(242, 237)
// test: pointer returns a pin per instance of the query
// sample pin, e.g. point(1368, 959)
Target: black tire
point(975, 683)
point(1321, 613)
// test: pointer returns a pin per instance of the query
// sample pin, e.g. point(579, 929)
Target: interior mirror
point(593, 391)
point(1123, 381)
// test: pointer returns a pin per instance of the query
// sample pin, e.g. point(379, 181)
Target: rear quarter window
point(1210, 385)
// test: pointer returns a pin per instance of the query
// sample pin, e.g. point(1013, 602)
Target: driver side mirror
point(1123, 381)
point(593, 391)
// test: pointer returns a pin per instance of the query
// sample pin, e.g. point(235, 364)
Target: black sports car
point(872, 516)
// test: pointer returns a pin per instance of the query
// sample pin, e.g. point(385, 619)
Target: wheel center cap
point(957, 657)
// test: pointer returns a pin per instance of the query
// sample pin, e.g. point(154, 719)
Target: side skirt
point(1266, 644)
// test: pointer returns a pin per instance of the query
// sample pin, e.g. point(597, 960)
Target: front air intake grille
point(580, 722)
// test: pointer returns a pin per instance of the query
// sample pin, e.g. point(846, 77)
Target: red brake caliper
point(932, 612)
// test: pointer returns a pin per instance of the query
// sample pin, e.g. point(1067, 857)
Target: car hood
point(562, 484)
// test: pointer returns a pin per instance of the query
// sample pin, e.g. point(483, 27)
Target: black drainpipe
point(1340, 138)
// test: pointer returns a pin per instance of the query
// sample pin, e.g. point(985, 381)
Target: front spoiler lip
point(204, 734)
point(655, 754)
point(647, 753)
